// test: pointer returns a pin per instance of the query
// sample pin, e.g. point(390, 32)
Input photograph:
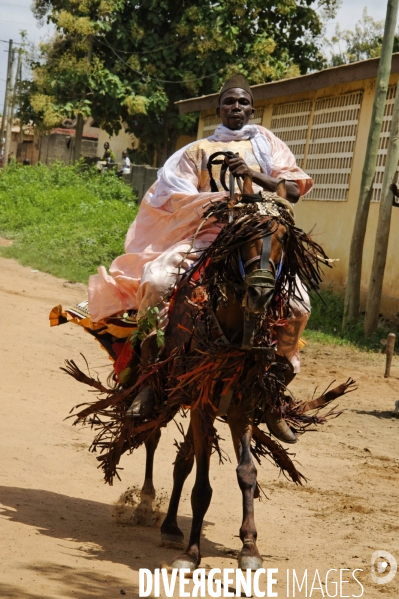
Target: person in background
point(108, 153)
point(126, 164)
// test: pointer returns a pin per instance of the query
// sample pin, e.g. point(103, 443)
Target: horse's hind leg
point(241, 430)
point(170, 532)
point(151, 445)
point(202, 491)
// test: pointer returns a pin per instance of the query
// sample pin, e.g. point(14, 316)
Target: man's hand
point(238, 167)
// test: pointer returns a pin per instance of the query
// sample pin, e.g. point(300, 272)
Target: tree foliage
point(364, 42)
point(131, 60)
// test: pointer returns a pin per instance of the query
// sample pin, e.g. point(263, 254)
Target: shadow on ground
point(94, 524)
point(74, 583)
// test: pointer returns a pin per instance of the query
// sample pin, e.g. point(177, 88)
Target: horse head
point(244, 263)
point(262, 261)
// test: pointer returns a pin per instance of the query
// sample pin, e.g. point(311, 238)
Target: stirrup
point(143, 404)
point(278, 426)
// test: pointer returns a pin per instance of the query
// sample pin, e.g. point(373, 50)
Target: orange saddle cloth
point(112, 333)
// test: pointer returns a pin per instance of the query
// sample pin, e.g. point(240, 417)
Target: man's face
point(106, 145)
point(235, 108)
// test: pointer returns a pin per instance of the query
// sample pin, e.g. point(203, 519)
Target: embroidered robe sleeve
point(284, 164)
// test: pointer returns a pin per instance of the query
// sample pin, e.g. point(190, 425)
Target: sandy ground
point(61, 535)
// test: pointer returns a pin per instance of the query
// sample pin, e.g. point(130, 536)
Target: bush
point(65, 220)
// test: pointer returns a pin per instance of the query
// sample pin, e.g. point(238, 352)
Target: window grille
point(331, 146)
point(290, 123)
point(211, 122)
point(383, 143)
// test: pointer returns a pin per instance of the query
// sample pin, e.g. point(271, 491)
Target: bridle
point(262, 277)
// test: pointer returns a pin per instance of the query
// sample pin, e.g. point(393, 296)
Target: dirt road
point(61, 536)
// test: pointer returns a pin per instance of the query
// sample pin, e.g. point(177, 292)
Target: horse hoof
point(185, 561)
point(251, 562)
point(148, 490)
point(173, 541)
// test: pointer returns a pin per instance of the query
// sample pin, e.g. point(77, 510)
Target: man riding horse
point(163, 242)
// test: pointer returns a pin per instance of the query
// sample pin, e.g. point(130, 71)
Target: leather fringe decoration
point(195, 368)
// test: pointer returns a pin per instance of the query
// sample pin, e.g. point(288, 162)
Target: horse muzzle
point(260, 287)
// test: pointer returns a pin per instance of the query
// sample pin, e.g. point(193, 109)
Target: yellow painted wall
point(333, 221)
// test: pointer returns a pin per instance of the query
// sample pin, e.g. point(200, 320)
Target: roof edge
point(355, 71)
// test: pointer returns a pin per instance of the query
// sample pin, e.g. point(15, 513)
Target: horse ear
point(247, 185)
point(281, 189)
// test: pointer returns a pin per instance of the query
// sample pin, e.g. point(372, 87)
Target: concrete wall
point(334, 221)
point(59, 146)
point(141, 178)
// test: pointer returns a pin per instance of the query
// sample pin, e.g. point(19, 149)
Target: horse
point(220, 361)
point(198, 444)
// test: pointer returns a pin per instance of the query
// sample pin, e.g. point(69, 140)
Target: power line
point(182, 82)
point(158, 49)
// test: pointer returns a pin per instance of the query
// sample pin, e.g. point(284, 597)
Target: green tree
point(364, 42)
point(125, 61)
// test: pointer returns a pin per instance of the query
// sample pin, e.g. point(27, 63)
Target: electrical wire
point(157, 49)
point(182, 82)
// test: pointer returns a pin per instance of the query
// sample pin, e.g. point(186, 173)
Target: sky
point(15, 15)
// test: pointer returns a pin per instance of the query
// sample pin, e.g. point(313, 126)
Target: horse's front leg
point(201, 495)
point(170, 532)
point(241, 430)
point(151, 445)
point(145, 511)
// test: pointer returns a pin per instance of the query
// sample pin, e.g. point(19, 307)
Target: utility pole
point(10, 110)
point(383, 226)
point(352, 297)
point(18, 90)
point(80, 122)
point(8, 82)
